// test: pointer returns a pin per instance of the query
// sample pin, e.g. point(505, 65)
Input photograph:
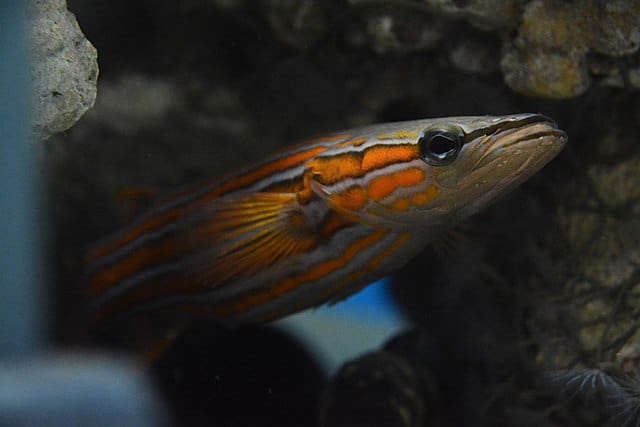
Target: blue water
point(362, 323)
point(373, 303)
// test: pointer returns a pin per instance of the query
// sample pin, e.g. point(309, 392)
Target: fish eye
point(439, 147)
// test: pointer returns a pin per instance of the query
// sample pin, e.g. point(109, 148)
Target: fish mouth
point(531, 127)
point(532, 134)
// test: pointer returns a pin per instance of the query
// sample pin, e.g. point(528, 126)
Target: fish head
point(435, 172)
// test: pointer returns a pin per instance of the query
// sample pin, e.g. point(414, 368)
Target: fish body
point(316, 222)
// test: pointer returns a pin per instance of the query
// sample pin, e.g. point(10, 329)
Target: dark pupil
point(441, 144)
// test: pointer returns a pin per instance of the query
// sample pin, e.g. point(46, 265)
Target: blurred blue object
point(338, 333)
point(21, 317)
point(36, 390)
point(373, 303)
point(77, 391)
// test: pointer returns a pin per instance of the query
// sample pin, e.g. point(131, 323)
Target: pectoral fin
point(240, 236)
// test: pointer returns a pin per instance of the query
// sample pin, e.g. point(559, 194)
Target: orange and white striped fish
point(317, 222)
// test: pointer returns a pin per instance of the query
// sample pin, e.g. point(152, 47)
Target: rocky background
point(531, 318)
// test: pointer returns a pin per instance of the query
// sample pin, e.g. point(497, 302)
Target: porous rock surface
point(63, 68)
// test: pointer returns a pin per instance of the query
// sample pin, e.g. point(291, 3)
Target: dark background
point(191, 89)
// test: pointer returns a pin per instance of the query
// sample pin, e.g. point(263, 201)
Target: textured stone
point(544, 73)
point(64, 68)
point(617, 185)
point(548, 58)
point(592, 338)
point(611, 28)
point(615, 30)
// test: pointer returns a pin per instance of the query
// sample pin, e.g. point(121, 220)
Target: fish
point(313, 223)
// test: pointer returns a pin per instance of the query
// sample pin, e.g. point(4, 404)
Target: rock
point(549, 58)
point(544, 73)
point(615, 30)
point(610, 28)
point(617, 186)
point(587, 327)
point(64, 68)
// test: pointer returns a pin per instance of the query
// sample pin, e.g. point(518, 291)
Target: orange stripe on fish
point(266, 170)
point(141, 259)
point(143, 228)
point(231, 185)
point(384, 185)
point(341, 290)
point(351, 199)
point(329, 169)
point(423, 198)
point(315, 222)
point(248, 301)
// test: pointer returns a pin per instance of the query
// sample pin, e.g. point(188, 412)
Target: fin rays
point(241, 236)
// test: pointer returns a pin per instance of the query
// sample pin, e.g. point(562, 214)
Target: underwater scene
point(403, 213)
